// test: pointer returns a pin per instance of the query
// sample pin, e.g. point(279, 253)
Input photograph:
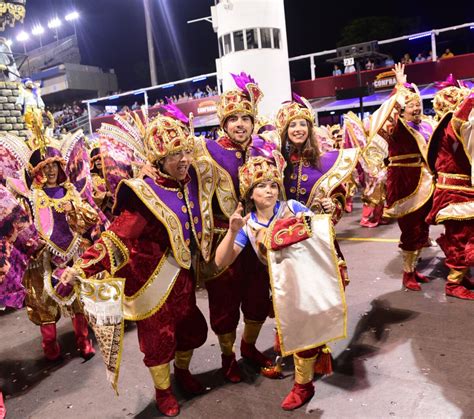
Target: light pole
point(23, 37)
point(149, 38)
point(72, 17)
point(38, 30)
point(55, 23)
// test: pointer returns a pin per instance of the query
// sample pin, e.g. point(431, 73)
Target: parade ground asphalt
point(407, 355)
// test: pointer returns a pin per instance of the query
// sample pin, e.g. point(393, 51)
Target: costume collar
point(168, 182)
point(228, 144)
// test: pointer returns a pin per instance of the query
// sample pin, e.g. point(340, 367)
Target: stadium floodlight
point(37, 30)
point(22, 36)
point(54, 23)
point(72, 16)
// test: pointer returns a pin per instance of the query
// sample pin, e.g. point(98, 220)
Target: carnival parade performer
point(308, 177)
point(161, 223)
point(450, 158)
point(243, 285)
point(100, 193)
point(399, 127)
point(18, 241)
point(373, 182)
point(62, 219)
point(283, 234)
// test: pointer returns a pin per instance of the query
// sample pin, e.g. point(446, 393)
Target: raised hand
point(236, 221)
point(328, 205)
point(68, 276)
point(399, 71)
point(148, 170)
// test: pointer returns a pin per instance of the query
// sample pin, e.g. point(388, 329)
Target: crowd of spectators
point(180, 98)
point(389, 61)
point(64, 115)
point(186, 96)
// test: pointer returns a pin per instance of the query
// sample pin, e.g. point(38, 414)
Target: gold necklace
point(43, 200)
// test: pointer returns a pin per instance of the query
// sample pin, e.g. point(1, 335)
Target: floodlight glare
point(37, 30)
point(72, 16)
point(9, 42)
point(54, 23)
point(22, 36)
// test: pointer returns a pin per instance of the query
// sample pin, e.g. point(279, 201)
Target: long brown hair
point(310, 151)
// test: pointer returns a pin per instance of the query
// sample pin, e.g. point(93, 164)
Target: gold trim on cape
point(206, 178)
point(308, 298)
point(337, 174)
point(168, 218)
point(416, 199)
point(226, 195)
point(456, 211)
point(151, 297)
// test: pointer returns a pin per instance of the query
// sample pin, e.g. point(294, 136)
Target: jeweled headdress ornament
point(299, 108)
point(409, 92)
point(451, 93)
point(169, 133)
point(265, 163)
point(244, 100)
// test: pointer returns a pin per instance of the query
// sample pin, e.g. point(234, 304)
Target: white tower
point(252, 38)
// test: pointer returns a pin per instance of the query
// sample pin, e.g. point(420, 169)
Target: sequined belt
point(454, 181)
point(406, 160)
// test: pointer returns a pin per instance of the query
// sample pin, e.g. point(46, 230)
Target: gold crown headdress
point(450, 95)
point(244, 100)
point(299, 108)
point(167, 135)
point(410, 92)
point(265, 163)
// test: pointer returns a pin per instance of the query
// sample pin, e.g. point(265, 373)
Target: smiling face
point(51, 172)
point(265, 194)
point(412, 112)
point(177, 165)
point(298, 132)
point(239, 127)
point(98, 164)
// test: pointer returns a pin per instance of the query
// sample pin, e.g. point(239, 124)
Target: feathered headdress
point(243, 100)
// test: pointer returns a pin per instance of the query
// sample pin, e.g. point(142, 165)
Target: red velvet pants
point(178, 325)
point(244, 285)
point(415, 230)
point(457, 243)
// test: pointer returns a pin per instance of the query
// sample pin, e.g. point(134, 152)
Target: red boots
point(166, 402)
point(249, 351)
point(81, 332)
point(230, 368)
point(187, 382)
point(453, 289)
point(51, 348)
point(298, 396)
point(410, 282)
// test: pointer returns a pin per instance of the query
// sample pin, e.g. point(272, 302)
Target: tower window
point(276, 38)
point(238, 40)
point(266, 37)
point(227, 44)
point(252, 38)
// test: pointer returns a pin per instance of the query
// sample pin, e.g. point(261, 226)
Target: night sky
point(112, 32)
